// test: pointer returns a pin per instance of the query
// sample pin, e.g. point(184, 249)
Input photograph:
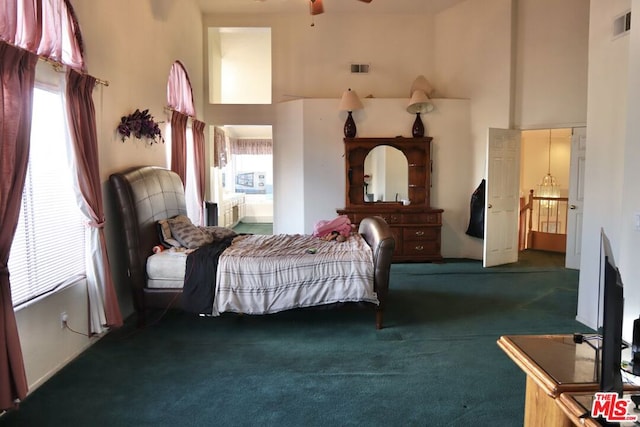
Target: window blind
point(48, 249)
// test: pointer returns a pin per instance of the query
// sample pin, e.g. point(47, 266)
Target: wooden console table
point(554, 364)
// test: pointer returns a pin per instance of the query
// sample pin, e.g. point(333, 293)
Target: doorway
point(545, 177)
point(244, 185)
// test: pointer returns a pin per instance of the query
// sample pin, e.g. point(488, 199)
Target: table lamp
point(350, 102)
point(419, 103)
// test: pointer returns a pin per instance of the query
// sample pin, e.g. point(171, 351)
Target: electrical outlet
point(63, 319)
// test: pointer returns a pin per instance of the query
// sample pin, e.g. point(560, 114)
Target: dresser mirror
point(391, 170)
point(386, 176)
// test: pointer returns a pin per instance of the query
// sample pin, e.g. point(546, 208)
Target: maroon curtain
point(220, 148)
point(179, 145)
point(17, 73)
point(82, 123)
point(199, 163)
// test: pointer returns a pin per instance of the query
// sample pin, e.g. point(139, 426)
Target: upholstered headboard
point(144, 195)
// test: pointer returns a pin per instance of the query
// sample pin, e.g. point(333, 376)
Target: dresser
point(415, 224)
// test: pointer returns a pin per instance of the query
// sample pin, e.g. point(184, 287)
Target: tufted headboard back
point(144, 195)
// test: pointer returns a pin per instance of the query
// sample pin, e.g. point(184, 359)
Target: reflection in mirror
point(388, 175)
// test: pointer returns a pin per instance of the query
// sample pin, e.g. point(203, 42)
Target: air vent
point(359, 68)
point(622, 24)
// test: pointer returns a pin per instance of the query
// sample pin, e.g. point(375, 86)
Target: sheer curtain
point(103, 302)
point(17, 74)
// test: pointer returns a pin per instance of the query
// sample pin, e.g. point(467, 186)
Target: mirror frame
point(417, 153)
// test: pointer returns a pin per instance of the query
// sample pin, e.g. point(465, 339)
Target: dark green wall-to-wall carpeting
point(436, 362)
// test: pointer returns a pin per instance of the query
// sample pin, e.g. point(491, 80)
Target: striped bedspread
point(266, 274)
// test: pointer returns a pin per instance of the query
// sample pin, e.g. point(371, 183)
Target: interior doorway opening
point(244, 185)
point(544, 195)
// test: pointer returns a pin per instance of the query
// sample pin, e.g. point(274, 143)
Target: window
point(48, 249)
point(253, 175)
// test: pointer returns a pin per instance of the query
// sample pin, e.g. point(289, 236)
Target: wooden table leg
point(541, 410)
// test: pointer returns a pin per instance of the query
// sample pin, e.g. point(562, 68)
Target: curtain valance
point(179, 92)
point(48, 28)
point(251, 146)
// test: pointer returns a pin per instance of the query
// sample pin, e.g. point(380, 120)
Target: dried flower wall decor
point(140, 124)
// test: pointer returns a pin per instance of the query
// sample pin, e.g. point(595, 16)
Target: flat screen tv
point(612, 304)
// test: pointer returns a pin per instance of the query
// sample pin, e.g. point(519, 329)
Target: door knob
point(572, 206)
point(489, 206)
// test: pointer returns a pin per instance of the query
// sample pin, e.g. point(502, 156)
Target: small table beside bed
point(249, 274)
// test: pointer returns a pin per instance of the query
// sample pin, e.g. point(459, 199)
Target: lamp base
point(350, 127)
point(418, 128)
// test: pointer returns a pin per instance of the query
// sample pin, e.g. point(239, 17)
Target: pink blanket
point(341, 224)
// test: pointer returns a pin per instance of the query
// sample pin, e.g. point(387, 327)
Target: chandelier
point(548, 188)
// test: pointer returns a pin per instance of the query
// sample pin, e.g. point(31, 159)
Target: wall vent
point(622, 24)
point(359, 68)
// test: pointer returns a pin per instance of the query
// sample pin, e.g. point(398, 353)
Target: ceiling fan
point(316, 7)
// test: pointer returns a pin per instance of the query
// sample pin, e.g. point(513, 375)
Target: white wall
point(245, 65)
point(132, 45)
point(606, 122)
point(629, 235)
point(551, 63)
point(288, 167)
point(473, 56)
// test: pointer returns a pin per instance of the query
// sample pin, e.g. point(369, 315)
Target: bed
point(144, 195)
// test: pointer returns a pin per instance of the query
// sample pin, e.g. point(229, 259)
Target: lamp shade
point(350, 101)
point(421, 83)
point(419, 103)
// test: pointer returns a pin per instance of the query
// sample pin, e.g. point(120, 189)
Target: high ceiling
point(335, 6)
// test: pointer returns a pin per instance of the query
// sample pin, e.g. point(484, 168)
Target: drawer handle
point(420, 233)
point(419, 248)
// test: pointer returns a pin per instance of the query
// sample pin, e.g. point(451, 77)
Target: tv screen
point(612, 300)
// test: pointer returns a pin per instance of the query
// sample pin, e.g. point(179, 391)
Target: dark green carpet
point(435, 364)
point(254, 227)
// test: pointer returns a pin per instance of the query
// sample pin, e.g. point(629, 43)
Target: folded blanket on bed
point(200, 277)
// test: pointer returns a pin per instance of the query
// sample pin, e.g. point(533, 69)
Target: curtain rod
point(59, 67)
point(169, 109)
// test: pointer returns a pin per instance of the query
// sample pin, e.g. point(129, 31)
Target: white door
point(502, 207)
point(576, 197)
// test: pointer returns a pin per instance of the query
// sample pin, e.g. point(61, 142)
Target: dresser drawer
point(422, 218)
point(421, 248)
point(390, 218)
point(420, 233)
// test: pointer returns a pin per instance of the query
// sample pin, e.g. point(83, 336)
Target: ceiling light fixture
point(548, 187)
point(316, 8)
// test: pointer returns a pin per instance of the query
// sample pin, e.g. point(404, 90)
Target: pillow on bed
point(189, 235)
point(220, 233)
point(164, 233)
